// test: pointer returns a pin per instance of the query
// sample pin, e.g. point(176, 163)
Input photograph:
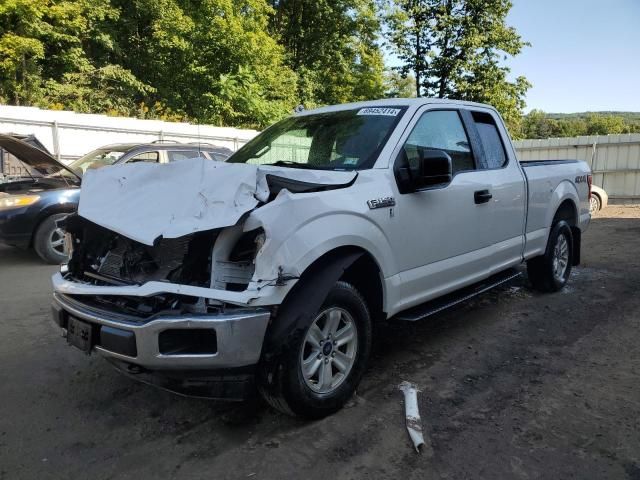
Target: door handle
point(482, 196)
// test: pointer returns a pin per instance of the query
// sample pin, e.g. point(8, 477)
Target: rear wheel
point(594, 204)
point(550, 272)
point(320, 368)
point(48, 241)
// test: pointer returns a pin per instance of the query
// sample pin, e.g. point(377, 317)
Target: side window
point(494, 153)
point(441, 130)
point(175, 156)
point(218, 157)
point(149, 157)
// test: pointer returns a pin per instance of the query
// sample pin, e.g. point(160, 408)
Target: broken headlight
point(248, 246)
point(259, 241)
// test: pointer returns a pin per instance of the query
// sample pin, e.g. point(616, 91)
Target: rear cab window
point(494, 153)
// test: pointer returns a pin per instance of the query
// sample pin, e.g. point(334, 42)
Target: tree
point(408, 32)
point(212, 60)
point(51, 55)
point(605, 124)
point(332, 47)
point(456, 50)
point(397, 86)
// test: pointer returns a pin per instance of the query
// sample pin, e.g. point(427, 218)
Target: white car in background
point(599, 199)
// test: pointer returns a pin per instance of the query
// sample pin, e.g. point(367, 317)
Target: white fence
point(614, 160)
point(68, 135)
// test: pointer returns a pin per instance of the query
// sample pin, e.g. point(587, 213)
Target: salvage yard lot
point(515, 384)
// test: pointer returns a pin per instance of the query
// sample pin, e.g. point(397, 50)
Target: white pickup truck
point(210, 278)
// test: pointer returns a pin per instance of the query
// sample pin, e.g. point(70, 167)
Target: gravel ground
point(515, 384)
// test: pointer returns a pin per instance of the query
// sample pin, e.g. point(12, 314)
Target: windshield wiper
point(288, 163)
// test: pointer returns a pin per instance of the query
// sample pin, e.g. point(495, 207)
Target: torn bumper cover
point(183, 342)
point(148, 289)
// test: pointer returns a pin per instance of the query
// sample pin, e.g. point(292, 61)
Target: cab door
point(498, 166)
point(442, 234)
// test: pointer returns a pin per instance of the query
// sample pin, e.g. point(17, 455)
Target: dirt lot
point(515, 385)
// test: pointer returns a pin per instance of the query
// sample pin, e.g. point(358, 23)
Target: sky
point(584, 54)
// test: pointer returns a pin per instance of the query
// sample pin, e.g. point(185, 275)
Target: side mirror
point(427, 168)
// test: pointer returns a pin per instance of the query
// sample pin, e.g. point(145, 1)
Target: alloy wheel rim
point(56, 240)
point(560, 257)
point(593, 205)
point(329, 350)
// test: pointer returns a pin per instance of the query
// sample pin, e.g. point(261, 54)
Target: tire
point(283, 384)
point(595, 204)
point(48, 241)
point(550, 272)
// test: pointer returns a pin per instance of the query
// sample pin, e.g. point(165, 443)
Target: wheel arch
point(348, 263)
point(568, 212)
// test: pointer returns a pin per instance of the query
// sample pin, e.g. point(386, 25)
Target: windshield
point(97, 159)
point(342, 140)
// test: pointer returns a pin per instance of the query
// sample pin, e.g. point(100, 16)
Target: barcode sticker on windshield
point(389, 112)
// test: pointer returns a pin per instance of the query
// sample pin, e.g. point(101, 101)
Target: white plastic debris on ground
point(145, 201)
point(414, 423)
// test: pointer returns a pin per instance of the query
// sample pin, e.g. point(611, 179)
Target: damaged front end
point(101, 257)
point(149, 311)
point(175, 284)
point(173, 314)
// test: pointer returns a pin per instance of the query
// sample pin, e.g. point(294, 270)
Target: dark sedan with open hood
point(31, 206)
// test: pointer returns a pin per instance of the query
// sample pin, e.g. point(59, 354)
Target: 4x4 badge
point(381, 202)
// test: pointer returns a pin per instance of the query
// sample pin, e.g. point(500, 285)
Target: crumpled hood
point(147, 201)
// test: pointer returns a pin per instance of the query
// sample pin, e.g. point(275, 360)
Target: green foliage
point(226, 62)
point(110, 89)
point(399, 86)
point(456, 48)
point(213, 60)
point(250, 62)
point(332, 46)
point(537, 124)
point(44, 42)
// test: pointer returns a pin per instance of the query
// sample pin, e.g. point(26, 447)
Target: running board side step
point(439, 304)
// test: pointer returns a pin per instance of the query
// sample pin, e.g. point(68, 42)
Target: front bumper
point(238, 336)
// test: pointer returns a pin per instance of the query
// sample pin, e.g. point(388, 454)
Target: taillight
point(589, 181)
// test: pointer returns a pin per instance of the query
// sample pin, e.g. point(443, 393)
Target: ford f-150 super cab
point(209, 278)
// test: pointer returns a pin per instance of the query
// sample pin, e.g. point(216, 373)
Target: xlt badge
point(381, 202)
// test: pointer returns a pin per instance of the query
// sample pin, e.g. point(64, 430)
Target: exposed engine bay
point(102, 257)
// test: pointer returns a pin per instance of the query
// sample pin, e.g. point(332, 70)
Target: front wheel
point(594, 204)
point(321, 367)
point(550, 272)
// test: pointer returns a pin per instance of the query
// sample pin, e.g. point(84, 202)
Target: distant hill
point(538, 124)
point(635, 116)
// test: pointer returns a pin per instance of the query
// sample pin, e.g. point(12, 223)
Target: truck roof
point(394, 102)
